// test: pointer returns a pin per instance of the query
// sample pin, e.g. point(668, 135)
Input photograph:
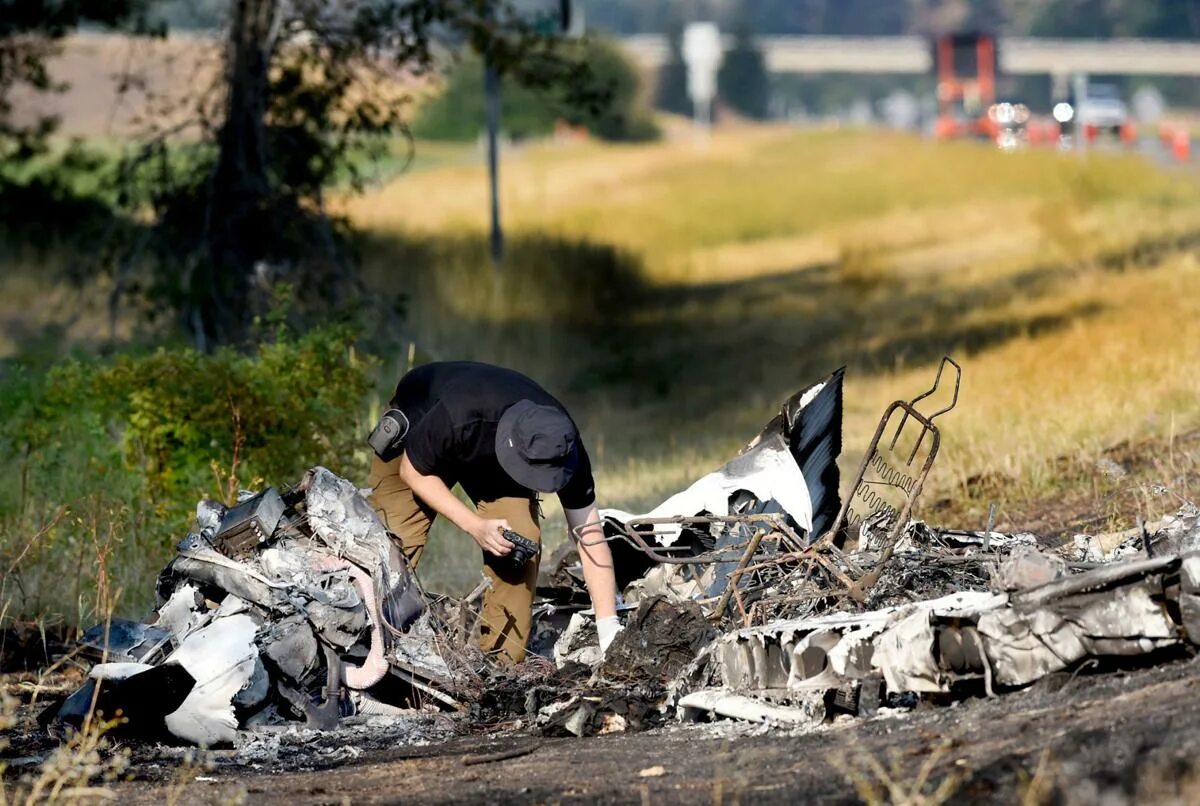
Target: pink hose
point(375, 666)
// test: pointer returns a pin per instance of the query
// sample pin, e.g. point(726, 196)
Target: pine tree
point(743, 82)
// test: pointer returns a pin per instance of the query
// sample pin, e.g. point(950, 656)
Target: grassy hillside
point(674, 295)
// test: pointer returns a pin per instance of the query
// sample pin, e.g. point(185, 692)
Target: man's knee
point(507, 617)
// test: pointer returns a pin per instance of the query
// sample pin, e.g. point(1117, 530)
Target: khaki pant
point(506, 618)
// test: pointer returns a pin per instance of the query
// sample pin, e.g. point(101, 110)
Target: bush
point(107, 457)
point(457, 112)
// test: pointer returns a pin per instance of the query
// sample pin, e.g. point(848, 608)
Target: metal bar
point(735, 575)
point(912, 404)
point(860, 588)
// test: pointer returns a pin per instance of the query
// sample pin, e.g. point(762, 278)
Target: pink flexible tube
point(376, 665)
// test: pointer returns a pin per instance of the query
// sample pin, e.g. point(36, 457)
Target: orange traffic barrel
point(1181, 145)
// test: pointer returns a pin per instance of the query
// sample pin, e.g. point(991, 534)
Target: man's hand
point(606, 631)
point(489, 534)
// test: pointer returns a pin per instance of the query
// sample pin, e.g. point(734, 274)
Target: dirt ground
point(1119, 736)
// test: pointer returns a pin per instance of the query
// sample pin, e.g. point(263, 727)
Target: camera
point(523, 551)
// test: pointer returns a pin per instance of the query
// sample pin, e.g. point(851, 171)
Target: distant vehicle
point(1103, 108)
point(1099, 111)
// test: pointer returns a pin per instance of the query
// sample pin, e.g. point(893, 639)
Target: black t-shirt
point(453, 409)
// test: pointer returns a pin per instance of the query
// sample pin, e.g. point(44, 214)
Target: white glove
point(607, 629)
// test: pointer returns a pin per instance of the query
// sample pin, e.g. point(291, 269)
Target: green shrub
point(106, 458)
point(456, 113)
point(671, 92)
point(743, 81)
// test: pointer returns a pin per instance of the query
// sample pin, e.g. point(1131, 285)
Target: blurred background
point(227, 227)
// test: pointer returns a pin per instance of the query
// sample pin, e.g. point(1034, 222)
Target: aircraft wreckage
point(757, 593)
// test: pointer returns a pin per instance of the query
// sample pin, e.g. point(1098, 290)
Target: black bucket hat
point(537, 446)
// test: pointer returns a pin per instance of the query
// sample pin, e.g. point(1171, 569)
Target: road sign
point(702, 55)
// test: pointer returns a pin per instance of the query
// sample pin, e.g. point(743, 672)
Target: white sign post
point(702, 54)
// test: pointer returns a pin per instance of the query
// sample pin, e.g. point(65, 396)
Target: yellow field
point(674, 295)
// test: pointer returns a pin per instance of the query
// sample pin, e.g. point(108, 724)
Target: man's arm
point(597, 560)
point(488, 533)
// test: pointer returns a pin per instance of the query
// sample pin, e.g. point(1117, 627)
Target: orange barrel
point(1181, 145)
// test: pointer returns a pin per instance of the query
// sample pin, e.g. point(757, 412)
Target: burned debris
point(755, 594)
point(286, 606)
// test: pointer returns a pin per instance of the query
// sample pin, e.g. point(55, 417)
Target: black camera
point(387, 440)
point(523, 551)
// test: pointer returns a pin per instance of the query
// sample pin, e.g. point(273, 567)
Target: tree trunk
point(238, 205)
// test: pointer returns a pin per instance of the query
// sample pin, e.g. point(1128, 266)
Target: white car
point(1103, 108)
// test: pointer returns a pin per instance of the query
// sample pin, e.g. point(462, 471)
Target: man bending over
point(504, 439)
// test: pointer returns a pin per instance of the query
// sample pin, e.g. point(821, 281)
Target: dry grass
point(894, 785)
point(673, 296)
point(748, 269)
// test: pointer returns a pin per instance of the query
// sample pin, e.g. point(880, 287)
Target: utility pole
point(568, 21)
point(491, 113)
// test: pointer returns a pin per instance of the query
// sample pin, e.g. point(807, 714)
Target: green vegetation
point(105, 458)
point(456, 111)
point(742, 81)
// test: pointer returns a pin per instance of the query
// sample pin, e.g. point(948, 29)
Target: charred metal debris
point(755, 594)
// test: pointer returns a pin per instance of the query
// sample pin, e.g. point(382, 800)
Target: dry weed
point(78, 771)
point(891, 785)
point(1038, 789)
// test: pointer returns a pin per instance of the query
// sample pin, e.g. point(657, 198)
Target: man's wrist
point(473, 525)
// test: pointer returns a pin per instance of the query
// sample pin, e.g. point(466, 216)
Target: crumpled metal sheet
point(811, 421)
point(1023, 645)
point(791, 464)
point(222, 658)
point(315, 592)
point(905, 654)
point(766, 470)
point(1189, 595)
point(825, 651)
point(342, 516)
point(809, 711)
point(180, 612)
point(1119, 609)
point(124, 640)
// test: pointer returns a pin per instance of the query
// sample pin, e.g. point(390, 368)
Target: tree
point(743, 81)
point(307, 92)
point(671, 93)
point(456, 112)
point(30, 31)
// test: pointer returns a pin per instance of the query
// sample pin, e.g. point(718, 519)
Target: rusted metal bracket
point(765, 526)
point(859, 588)
point(823, 552)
